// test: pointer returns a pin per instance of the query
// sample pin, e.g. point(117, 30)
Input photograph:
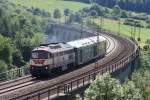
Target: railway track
point(15, 82)
point(113, 56)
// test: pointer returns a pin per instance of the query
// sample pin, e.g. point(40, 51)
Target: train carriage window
point(34, 55)
point(50, 55)
point(70, 57)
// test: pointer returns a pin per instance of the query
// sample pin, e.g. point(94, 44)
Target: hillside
point(50, 5)
point(133, 5)
point(112, 25)
point(20, 32)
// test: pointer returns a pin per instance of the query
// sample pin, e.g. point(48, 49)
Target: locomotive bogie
point(40, 71)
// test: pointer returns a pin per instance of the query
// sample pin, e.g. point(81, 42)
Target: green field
point(112, 25)
point(50, 5)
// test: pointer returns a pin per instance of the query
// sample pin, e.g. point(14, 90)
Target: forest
point(133, 5)
point(21, 30)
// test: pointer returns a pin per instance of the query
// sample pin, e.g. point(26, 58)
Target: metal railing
point(14, 73)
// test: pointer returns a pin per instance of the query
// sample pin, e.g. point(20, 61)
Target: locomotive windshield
point(39, 55)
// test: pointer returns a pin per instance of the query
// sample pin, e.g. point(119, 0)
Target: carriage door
point(95, 50)
point(81, 56)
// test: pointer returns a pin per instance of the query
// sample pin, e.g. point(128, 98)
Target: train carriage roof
point(60, 47)
point(86, 41)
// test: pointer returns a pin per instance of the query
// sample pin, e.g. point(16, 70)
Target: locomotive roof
point(86, 41)
point(53, 48)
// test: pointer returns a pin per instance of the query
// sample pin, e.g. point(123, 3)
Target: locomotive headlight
point(46, 67)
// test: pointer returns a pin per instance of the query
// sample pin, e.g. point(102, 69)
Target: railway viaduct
point(120, 61)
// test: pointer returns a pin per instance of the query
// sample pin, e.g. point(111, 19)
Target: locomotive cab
point(51, 59)
point(40, 62)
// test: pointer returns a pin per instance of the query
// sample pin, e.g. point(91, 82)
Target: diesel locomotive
point(58, 57)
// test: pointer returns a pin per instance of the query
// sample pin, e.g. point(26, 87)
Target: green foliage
point(145, 57)
point(98, 9)
point(67, 12)
point(5, 49)
point(77, 17)
point(107, 88)
point(133, 5)
point(57, 14)
point(26, 44)
point(3, 68)
point(116, 12)
point(146, 47)
point(50, 5)
point(131, 92)
point(142, 81)
point(147, 42)
point(90, 23)
point(19, 32)
point(39, 12)
point(104, 88)
point(18, 58)
point(124, 14)
point(147, 91)
point(133, 22)
point(141, 78)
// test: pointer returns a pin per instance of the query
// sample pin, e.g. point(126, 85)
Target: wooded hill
point(133, 5)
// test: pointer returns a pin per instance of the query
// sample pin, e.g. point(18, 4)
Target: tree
point(1, 12)
point(3, 66)
point(124, 14)
point(3, 69)
point(5, 50)
point(66, 13)
point(104, 88)
point(98, 9)
point(142, 81)
point(131, 92)
point(57, 14)
point(17, 58)
point(107, 88)
point(133, 5)
point(18, 27)
point(37, 11)
point(71, 18)
point(116, 12)
point(77, 17)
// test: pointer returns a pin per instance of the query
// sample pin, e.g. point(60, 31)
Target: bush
point(3, 69)
point(146, 47)
point(5, 50)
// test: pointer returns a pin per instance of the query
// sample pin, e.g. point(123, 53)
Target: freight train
point(58, 57)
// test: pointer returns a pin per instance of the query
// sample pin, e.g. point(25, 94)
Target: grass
point(50, 5)
point(113, 25)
